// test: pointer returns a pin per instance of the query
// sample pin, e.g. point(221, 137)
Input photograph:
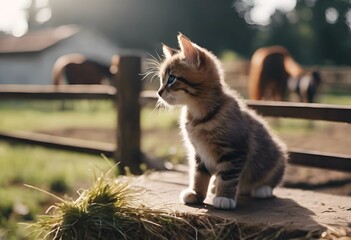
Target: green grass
point(336, 99)
point(55, 171)
point(39, 115)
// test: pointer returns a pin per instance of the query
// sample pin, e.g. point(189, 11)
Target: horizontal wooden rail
point(311, 111)
point(316, 159)
point(60, 92)
point(61, 143)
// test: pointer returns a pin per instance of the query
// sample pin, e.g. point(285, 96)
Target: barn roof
point(36, 41)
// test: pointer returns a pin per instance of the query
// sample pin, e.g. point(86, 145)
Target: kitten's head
point(189, 74)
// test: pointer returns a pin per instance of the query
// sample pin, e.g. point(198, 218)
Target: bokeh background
point(35, 33)
point(315, 31)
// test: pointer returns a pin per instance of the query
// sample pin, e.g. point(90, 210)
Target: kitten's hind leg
point(265, 190)
point(262, 192)
point(224, 203)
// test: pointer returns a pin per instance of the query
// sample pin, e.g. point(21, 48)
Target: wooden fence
point(129, 99)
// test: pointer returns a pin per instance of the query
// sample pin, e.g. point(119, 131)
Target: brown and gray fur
point(223, 137)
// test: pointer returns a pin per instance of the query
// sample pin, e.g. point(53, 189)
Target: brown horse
point(77, 69)
point(273, 73)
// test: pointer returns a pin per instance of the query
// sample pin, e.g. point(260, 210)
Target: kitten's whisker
point(160, 59)
point(154, 76)
point(151, 72)
point(154, 61)
point(146, 75)
point(154, 58)
point(157, 106)
point(153, 68)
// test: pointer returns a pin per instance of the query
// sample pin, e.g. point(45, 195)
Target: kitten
point(223, 137)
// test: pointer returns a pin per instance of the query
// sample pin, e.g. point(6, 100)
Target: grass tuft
point(92, 215)
point(106, 211)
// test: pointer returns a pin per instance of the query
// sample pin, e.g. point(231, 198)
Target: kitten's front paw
point(262, 192)
point(224, 203)
point(188, 196)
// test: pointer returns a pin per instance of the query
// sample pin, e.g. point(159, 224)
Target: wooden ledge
point(295, 210)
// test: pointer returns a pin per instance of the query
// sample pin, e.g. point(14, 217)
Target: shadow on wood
point(293, 211)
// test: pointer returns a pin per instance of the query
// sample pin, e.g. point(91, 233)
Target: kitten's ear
point(167, 51)
point(191, 53)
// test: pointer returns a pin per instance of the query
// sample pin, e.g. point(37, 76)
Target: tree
point(307, 32)
point(145, 24)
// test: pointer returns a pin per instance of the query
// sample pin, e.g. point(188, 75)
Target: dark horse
point(274, 73)
point(77, 69)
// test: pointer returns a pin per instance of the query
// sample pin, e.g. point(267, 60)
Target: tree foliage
point(217, 25)
point(307, 33)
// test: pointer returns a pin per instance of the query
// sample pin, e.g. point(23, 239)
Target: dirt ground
point(333, 138)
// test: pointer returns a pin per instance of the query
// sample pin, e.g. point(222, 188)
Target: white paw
point(262, 192)
point(224, 203)
point(188, 196)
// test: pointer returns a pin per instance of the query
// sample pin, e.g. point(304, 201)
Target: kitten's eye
point(171, 79)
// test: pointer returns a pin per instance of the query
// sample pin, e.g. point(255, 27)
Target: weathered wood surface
point(295, 210)
point(128, 114)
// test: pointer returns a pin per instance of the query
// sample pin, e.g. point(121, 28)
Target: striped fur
point(223, 137)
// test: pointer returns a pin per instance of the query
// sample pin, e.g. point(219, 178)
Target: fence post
point(128, 86)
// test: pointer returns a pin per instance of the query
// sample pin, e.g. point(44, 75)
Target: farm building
point(29, 59)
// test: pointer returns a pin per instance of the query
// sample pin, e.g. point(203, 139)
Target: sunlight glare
point(264, 9)
point(13, 19)
point(43, 15)
point(331, 15)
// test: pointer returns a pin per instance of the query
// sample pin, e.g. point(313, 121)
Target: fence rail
point(311, 111)
point(60, 92)
point(128, 128)
point(63, 143)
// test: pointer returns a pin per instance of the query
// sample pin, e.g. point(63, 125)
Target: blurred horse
point(77, 69)
point(274, 73)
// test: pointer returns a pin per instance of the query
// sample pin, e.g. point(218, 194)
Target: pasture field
point(62, 172)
